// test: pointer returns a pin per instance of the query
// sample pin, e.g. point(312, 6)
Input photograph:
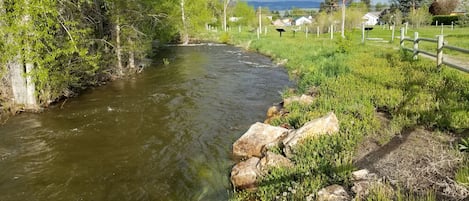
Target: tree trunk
point(343, 19)
point(31, 102)
point(131, 54)
point(185, 35)
point(225, 7)
point(118, 49)
point(18, 81)
point(20, 68)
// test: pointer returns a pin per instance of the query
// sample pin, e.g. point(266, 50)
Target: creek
point(164, 134)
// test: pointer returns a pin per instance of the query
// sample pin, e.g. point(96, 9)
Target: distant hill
point(284, 5)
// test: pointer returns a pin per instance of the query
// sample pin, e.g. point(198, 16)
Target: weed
point(464, 145)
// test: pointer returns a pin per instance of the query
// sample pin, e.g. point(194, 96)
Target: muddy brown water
point(165, 134)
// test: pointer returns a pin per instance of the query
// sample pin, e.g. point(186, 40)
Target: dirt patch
point(418, 160)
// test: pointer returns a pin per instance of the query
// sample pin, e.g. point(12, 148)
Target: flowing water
point(165, 134)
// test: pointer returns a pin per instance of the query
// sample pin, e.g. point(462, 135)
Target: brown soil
point(418, 160)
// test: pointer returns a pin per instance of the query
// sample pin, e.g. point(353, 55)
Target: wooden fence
point(440, 45)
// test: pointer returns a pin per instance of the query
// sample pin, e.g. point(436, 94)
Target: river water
point(165, 134)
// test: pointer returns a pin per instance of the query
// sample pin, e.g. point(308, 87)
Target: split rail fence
point(440, 45)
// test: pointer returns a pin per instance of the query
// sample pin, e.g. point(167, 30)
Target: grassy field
point(355, 81)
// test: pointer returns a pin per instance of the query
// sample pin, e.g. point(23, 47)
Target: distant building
point(302, 20)
point(287, 21)
point(371, 18)
point(234, 19)
point(278, 23)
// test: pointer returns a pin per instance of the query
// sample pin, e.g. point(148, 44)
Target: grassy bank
point(358, 82)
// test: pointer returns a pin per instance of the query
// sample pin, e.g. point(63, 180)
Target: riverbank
point(378, 95)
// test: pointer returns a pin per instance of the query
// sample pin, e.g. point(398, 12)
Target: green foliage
point(463, 20)
point(462, 175)
point(246, 13)
point(464, 145)
point(225, 38)
point(445, 19)
point(420, 17)
point(344, 45)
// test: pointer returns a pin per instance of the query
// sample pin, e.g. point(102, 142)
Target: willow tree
point(188, 17)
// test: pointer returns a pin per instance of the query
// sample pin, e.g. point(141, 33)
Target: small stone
point(360, 175)
point(333, 193)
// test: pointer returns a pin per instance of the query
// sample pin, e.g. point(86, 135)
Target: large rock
point(271, 160)
point(244, 174)
point(303, 99)
point(333, 193)
point(256, 138)
point(324, 125)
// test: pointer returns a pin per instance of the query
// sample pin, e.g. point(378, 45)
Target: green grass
point(354, 80)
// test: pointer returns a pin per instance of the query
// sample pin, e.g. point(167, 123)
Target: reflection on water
point(164, 135)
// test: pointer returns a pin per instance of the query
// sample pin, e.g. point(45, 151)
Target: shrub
point(225, 38)
point(445, 19)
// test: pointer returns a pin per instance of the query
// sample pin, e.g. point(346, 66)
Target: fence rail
point(440, 45)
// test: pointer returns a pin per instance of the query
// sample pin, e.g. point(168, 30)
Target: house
point(278, 23)
point(234, 19)
point(287, 21)
point(302, 20)
point(371, 18)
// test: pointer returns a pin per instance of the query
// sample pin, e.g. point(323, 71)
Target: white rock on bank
point(324, 125)
point(253, 141)
point(333, 193)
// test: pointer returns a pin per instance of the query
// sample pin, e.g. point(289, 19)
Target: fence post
point(363, 33)
point(416, 45)
point(439, 53)
point(317, 31)
point(452, 25)
point(406, 27)
point(402, 37)
point(332, 31)
point(393, 29)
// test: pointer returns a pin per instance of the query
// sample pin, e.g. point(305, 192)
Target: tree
point(420, 17)
point(367, 3)
point(443, 7)
point(328, 6)
point(297, 12)
point(406, 6)
point(245, 13)
point(380, 6)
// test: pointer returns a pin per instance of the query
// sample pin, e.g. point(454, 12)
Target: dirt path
point(417, 159)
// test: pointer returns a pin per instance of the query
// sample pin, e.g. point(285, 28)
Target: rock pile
point(252, 148)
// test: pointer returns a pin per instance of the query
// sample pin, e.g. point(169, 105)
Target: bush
point(463, 20)
point(445, 19)
point(225, 38)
